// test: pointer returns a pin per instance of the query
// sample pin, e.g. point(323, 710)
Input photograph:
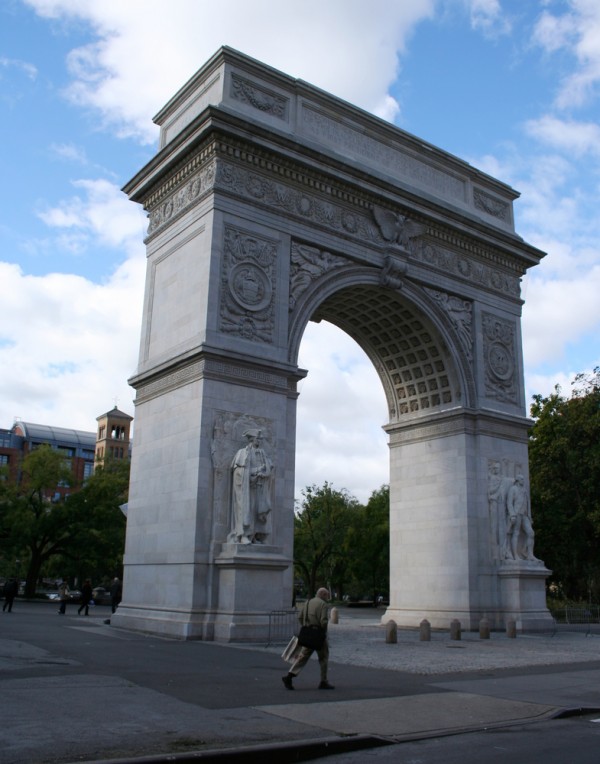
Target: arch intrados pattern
point(408, 351)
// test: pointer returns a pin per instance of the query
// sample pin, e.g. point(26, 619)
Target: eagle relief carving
point(396, 228)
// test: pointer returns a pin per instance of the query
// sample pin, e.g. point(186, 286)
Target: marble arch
point(271, 204)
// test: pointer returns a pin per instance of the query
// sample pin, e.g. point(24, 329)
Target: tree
point(38, 527)
point(87, 525)
point(564, 458)
point(368, 545)
point(320, 528)
point(99, 539)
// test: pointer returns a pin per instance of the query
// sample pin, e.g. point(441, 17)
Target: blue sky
point(512, 87)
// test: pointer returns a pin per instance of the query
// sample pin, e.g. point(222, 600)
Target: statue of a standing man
point(251, 500)
point(519, 520)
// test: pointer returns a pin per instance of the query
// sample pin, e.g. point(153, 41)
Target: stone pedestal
point(250, 585)
point(523, 594)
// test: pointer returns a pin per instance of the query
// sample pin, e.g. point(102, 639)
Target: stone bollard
point(511, 629)
point(455, 629)
point(391, 633)
point(484, 629)
point(425, 631)
point(334, 615)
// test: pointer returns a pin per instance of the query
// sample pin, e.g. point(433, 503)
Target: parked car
point(101, 596)
point(74, 595)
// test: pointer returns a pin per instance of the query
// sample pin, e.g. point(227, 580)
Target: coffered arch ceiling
point(412, 358)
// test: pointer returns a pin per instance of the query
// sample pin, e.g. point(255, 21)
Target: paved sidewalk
point(74, 689)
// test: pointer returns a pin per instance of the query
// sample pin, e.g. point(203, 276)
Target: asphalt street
point(76, 689)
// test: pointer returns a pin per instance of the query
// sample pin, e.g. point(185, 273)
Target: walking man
point(315, 613)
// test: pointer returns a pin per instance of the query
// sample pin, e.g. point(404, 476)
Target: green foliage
point(100, 537)
point(368, 546)
point(62, 537)
point(342, 544)
point(320, 527)
point(564, 459)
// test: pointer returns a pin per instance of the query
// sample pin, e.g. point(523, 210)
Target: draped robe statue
point(251, 488)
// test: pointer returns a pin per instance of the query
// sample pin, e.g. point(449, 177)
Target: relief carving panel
point(460, 314)
point(308, 263)
point(248, 285)
point(259, 97)
point(499, 359)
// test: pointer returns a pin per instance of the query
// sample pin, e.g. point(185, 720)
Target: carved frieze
point(298, 195)
point(460, 314)
point(467, 268)
point(248, 285)
point(188, 193)
point(308, 264)
point(499, 352)
point(259, 97)
point(302, 203)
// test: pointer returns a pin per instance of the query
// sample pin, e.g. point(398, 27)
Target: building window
point(4, 460)
point(88, 470)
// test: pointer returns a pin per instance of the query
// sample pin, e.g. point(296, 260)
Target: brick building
point(82, 449)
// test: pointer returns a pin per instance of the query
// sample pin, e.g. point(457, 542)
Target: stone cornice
point(179, 372)
point(228, 164)
point(459, 422)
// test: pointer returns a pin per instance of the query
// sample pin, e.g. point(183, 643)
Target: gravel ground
point(361, 642)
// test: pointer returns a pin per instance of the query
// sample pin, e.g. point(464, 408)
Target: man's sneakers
point(326, 686)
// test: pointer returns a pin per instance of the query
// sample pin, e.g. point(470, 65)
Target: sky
point(512, 87)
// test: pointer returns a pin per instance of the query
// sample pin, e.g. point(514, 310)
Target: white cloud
point(28, 69)
point(577, 31)
point(69, 152)
point(345, 46)
point(558, 313)
point(487, 17)
point(341, 411)
point(578, 138)
point(103, 213)
point(72, 344)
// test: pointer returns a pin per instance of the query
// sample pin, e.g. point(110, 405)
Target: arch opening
point(342, 409)
point(404, 345)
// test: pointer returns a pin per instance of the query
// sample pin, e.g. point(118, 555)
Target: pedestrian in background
point(116, 592)
point(11, 589)
point(64, 594)
point(86, 597)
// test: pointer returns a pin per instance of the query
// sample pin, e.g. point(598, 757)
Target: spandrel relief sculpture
point(511, 527)
point(251, 491)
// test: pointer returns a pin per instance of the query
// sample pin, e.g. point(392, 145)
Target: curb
point(273, 753)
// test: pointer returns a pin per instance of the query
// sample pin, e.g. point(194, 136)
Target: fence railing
point(283, 624)
point(582, 618)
